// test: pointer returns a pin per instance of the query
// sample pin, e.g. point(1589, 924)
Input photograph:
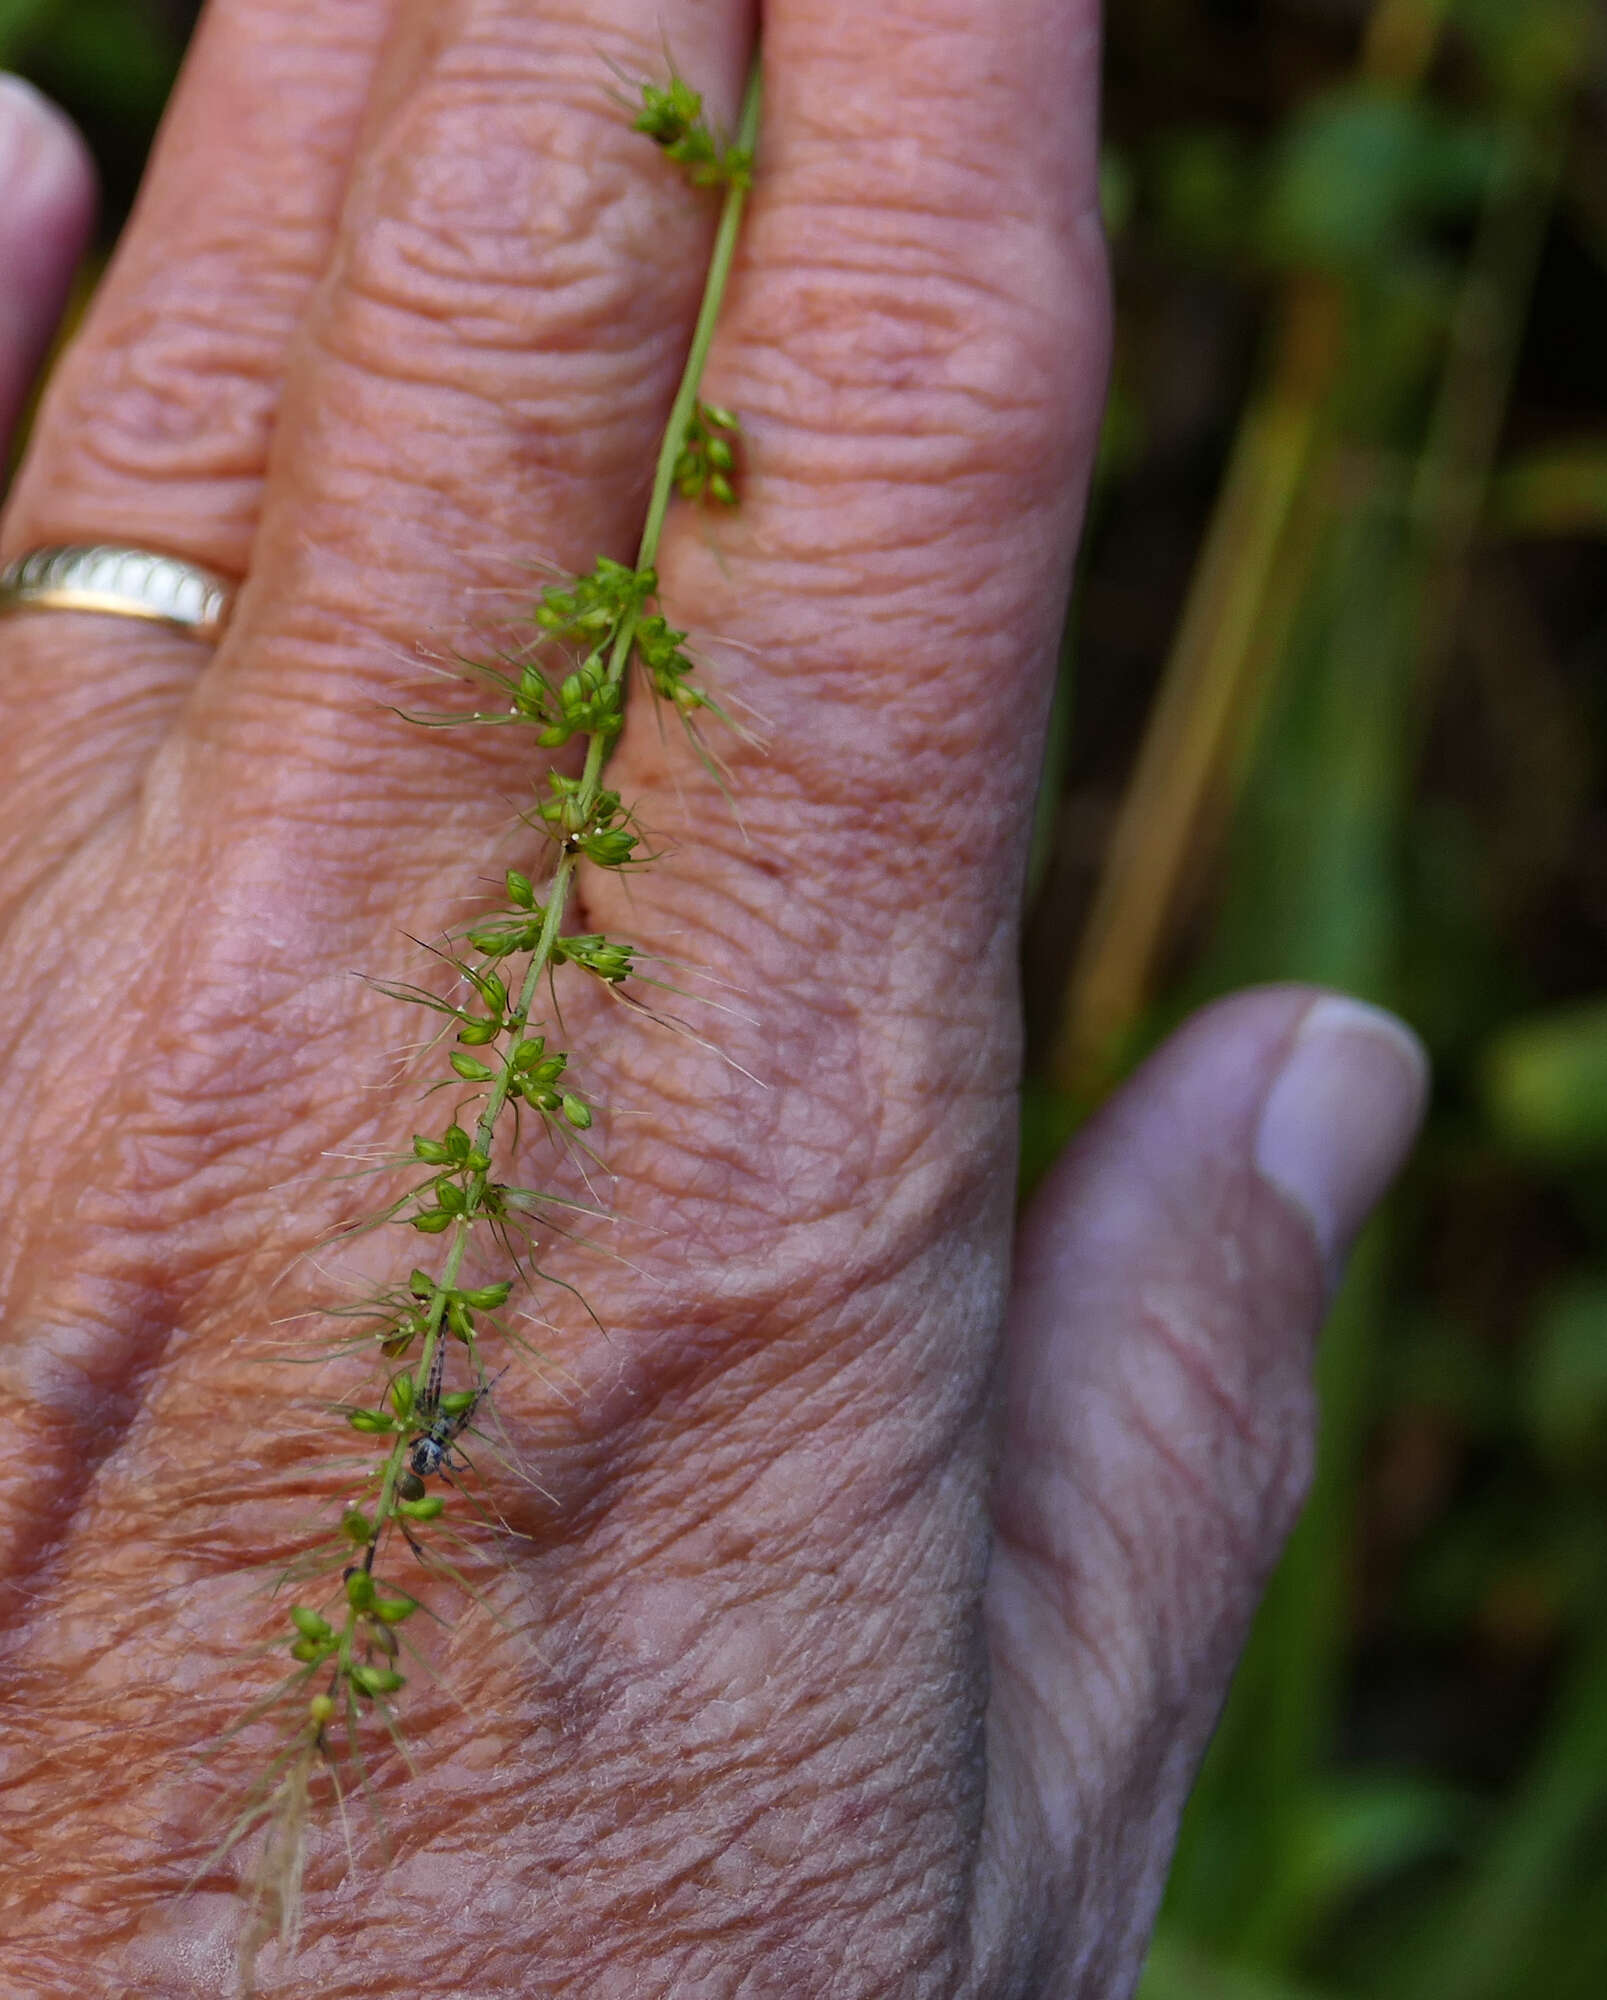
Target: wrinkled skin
point(873, 1617)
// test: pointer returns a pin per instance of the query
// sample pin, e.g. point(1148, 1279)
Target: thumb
point(47, 202)
point(1158, 1439)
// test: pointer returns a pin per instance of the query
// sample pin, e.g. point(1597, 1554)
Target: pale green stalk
point(682, 413)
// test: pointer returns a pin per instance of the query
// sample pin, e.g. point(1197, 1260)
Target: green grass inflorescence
point(569, 684)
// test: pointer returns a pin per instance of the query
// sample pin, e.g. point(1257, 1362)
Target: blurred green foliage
point(1545, 1085)
point(1358, 175)
point(1361, 252)
point(1363, 310)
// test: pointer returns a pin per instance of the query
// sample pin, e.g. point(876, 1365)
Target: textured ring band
point(130, 583)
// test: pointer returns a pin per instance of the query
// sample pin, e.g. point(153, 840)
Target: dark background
point(1333, 707)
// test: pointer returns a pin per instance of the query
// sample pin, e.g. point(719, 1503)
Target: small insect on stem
point(431, 1451)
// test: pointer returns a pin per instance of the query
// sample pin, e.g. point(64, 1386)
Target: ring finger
point(155, 429)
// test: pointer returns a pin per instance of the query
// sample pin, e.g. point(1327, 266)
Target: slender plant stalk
point(1193, 730)
point(345, 1653)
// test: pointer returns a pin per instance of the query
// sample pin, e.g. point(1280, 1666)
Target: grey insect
point(431, 1451)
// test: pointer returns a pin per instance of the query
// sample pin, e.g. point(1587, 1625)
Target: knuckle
point(929, 308)
point(898, 351)
point(507, 241)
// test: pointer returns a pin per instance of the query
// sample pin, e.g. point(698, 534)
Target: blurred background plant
point(1333, 707)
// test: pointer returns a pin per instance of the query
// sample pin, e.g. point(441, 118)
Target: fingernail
point(1341, 1117)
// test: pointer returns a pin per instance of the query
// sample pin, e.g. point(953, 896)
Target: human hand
point(797, 1694)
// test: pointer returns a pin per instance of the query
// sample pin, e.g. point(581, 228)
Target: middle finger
point(483, 386)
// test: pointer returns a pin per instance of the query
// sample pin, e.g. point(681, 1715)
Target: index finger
point(916, 343)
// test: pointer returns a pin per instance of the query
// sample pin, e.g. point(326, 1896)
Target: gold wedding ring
point(128, 583)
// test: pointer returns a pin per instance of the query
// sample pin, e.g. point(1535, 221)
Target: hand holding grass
point(792, 1690)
